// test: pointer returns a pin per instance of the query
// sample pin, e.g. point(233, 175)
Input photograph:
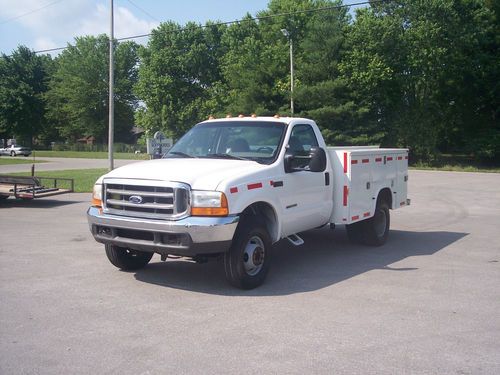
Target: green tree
point(78, 95)
point(23, 82)
point(423, 68)
point(180, 77)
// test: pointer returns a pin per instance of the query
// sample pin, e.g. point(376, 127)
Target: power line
point(261, 18)
point(271, 16)
point(30, 12)
point(143, 11)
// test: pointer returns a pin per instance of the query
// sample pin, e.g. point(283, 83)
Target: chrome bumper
point(187, 237)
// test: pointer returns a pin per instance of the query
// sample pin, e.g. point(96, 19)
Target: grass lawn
point(455, 168)
point(84, 178)
point(90, 155)
point(456, 163)
point(9, 160)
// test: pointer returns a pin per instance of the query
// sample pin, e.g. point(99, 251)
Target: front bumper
point(187, 237)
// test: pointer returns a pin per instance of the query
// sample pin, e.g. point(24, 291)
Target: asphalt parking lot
point(427, 302)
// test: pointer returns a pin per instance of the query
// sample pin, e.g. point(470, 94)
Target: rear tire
point(376, 229)
point(247, 262)
point(12, 153)
point(126, 259)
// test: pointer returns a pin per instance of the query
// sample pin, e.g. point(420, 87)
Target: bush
point(118, 147)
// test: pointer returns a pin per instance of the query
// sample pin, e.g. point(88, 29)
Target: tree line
point(422, 74)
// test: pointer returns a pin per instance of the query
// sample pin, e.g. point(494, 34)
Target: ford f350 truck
point(233, 187)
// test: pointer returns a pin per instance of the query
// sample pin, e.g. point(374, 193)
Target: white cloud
point(42, 43)
point(58, 24)
point(125, 23)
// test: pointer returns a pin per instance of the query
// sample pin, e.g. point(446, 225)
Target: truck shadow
point(326, 258)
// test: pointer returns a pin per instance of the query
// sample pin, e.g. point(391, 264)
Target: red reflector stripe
point(354, 162)
point(346, 192)
point(233, 190)
point(257, 185)
point(345, 162)
point(365, 161)
point(355, 217)
point(389, 158)
point(366, 214)
point(400, 158)
point(378, 160)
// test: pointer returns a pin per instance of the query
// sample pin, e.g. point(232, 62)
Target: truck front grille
point(148, 201)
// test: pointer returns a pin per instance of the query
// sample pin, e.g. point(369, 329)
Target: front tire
point(126, 259)
point(247, 262)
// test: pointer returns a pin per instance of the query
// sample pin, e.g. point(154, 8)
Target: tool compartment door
point(401, 180)
point(360, 196)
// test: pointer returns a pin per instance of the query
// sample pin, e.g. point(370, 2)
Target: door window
point(302, 139)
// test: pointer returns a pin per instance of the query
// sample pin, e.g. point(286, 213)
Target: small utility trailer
point(31, 187)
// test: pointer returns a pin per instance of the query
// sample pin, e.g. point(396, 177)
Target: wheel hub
point(253, 258)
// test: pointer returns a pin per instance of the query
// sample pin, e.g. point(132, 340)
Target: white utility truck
point(233, 187)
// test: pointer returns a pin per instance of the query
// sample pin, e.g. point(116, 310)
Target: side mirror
point(318, 159)
point(314, 162)
point(289, 158)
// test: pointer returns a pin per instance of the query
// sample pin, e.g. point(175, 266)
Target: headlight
point(97, 195)
point(208, 203)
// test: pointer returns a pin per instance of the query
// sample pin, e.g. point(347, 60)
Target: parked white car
point(233, 187)
point(15, 150)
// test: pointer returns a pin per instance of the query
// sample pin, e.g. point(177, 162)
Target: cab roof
point(277, 119)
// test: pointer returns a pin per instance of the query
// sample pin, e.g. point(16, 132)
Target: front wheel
point(247, 262)
point(126, 259)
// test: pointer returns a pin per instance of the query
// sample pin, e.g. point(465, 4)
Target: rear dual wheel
point(373, 231)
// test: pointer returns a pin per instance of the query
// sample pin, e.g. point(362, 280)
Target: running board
point(295, 240)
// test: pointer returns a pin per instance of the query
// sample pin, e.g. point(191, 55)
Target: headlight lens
point(97, 195)
point(208, 203)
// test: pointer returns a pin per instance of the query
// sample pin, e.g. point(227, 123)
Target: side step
point(295, 240)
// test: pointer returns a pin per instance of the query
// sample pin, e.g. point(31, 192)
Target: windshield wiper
point(179, 153)
point(225, 156)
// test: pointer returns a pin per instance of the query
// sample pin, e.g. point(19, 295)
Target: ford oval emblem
point(137, 199)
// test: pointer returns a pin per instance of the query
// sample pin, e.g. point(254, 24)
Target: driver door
point(306, 199)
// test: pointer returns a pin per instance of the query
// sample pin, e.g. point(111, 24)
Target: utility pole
point(111, 90)
point(290, 41)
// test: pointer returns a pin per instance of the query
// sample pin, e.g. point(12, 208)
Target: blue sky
point(61, 20)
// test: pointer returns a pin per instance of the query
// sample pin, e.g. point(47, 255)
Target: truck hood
point(201, 174)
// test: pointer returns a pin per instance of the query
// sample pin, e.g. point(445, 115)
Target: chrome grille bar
point(158, 206)
point(143, 193)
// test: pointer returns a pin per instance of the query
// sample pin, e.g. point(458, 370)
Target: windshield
point(249, 140)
